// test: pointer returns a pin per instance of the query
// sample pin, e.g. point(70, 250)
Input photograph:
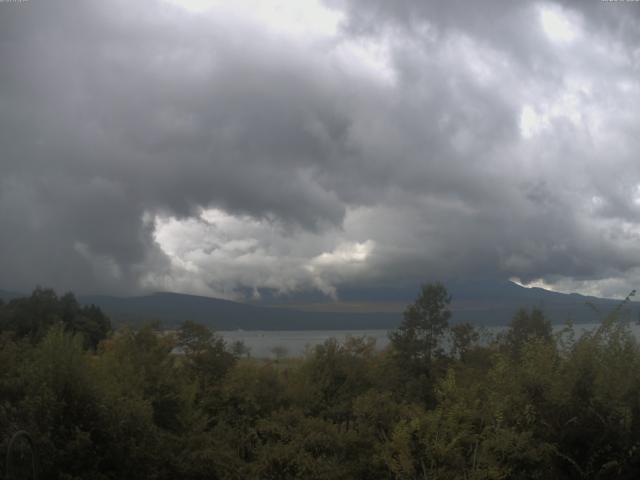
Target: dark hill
point(171, 309)
point(482, 302)
point(494, 303)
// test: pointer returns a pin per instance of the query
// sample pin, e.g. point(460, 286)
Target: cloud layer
point(193, 146)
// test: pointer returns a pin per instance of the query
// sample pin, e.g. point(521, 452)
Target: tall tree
point(525, 326)
point(463, 337)
point(205, 352)
point(32, 317)
point(425, 322)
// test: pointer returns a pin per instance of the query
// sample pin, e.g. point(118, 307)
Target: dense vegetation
point(142, 404)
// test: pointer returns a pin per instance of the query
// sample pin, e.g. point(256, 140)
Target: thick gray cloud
point(148, 146)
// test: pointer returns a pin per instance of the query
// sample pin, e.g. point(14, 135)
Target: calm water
point(296, 342)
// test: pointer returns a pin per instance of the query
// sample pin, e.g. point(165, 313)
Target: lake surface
point(296, 342)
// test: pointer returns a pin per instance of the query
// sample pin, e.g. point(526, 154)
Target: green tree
point(333, 376)
point(526, 326)
point(205, 354)
point(425, 322)
point(463, 337)
point(31, 317)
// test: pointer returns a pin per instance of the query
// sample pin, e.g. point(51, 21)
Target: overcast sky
point(227, 148)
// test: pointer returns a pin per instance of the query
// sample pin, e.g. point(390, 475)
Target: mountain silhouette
point(480, 302)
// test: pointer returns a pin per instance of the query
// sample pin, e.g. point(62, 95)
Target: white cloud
point(219, 253)
point(293, 18)
point(531, 122)
point(560, 25)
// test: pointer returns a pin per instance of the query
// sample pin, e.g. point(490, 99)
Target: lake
point(296, 342)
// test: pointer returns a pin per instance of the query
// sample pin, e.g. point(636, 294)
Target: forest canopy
point(436, 403)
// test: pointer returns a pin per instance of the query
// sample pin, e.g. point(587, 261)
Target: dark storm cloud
point(107, 117)
point(419, 140)
point(560, 206)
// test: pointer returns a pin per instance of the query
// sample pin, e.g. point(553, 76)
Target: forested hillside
point(139, 404)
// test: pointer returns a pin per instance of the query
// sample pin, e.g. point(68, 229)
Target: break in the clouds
point(225, 148)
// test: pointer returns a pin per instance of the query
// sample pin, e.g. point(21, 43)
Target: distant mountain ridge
point(496, 302)
point(480, 302)
point(171, 309)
